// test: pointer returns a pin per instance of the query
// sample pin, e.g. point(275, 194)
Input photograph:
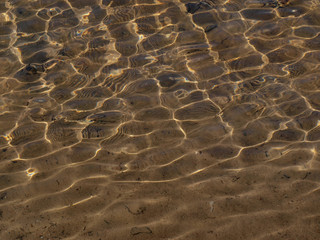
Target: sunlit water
point(159, 119)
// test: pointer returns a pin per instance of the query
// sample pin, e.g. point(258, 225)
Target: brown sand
point(159, 119)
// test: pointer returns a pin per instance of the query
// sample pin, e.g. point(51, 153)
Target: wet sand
point(159, 119)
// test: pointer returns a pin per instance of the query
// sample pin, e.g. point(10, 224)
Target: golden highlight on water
point(159, 119)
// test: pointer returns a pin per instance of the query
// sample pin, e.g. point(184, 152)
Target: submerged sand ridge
point(159, 119)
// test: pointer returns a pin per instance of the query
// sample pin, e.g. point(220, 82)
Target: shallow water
point(159, 119)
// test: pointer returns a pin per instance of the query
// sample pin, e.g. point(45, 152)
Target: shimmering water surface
point(159, 119)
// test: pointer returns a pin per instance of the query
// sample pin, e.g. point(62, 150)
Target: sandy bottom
point(159, 119)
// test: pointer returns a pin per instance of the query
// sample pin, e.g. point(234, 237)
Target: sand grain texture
point(159, 119)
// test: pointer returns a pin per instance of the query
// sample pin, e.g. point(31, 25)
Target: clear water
point(159, 119)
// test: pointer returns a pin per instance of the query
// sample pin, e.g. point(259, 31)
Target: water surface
point(159, 119)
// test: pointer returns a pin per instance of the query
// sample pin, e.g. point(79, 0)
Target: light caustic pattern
point(159, 119)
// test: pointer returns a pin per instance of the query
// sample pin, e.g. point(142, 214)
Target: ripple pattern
point(159, 119)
